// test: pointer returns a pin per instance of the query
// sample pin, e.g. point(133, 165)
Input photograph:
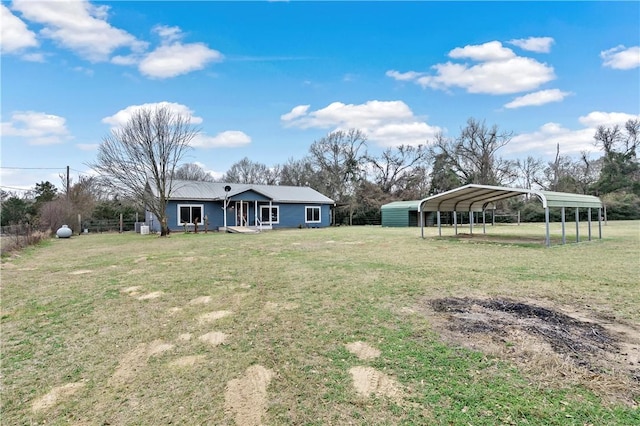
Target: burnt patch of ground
point(567, 345)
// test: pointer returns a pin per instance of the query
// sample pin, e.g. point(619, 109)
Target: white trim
point(179, 215)
point(269, 208)
point(306, 214)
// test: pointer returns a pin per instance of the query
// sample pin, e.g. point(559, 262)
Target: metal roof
point(404, 205)
point(478, 197)
point(198, 190)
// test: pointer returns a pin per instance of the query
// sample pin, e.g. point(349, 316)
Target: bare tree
point(247, 171)
point(141, 157)
point(338, 157)
point(401, 169)
point(299, 173)
point(339, 161)
point(530, 171)
point(473, 154)
point(192, 171)
point(620, 169)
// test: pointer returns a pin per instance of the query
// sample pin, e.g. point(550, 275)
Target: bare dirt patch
point(212, 316)
point(80, 272)
point(362, 350)
point(551, 344)
point(187, 361)
point(152, 295)
point(202, 300)
point(214, 338)
point(135, 360)
point(57, 393)
point(246, 397)
point(369, 381)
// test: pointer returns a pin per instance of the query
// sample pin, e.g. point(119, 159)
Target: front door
point(242, 213)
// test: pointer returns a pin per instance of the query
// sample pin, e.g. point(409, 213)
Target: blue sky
point(265, 79)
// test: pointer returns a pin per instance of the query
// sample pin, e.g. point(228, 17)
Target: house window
point(270, 214)
point(190, 214)
point(312, 214)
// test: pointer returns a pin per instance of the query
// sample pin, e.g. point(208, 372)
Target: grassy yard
point(304, 327)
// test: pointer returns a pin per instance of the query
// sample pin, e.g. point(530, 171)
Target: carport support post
point(439, 224)
point(484, 223)
point(577, 225)
point(589, 221)
point(470, 222)
point(600, 222)
point(546, 220)
point(455, 222)
point(564, 235)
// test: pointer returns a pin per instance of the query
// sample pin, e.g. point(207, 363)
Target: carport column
point(439, 227)
point(546, 220)
point(577, 225)
point(455, 222)
point(484, 223)
point(589, 221)
point(470, 222)
point(600, 222)
point(564, 235)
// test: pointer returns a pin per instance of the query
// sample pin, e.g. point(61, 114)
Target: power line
point(32, 168)
point(15, 189)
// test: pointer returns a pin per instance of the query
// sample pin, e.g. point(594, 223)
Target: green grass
point(297, 297)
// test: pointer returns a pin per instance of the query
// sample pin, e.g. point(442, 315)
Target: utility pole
point(68, 179)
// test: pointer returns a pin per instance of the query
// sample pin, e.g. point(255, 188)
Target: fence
point(15, 237)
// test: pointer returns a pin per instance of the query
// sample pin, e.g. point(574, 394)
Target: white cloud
point(621, 57)
point(123, 116)
point(33, 57)
point(296, 112)
point(404, 76)
point(572, 142)
point(176, 59)
point(600, 118)
point(79, 26)
point(168, 34)
point(38, 128)
point(545, 140)
point(14, 34)
point(386, 123)
point(534, 44)
point(171, 58)
point(491, 51)
point(228, 139)
point(538, 98)
point(500, 71)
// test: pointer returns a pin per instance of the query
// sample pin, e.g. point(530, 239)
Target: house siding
point(290, 215)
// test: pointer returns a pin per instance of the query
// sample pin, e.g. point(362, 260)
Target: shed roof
point(402, 205)
point(198, 190)
point(477, 197)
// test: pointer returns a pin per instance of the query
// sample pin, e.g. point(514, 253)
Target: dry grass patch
point(246, 398)
point(55, 395)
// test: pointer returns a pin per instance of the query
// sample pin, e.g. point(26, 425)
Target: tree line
point(150, 148)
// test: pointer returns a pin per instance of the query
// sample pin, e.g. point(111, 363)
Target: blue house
point(224, 205)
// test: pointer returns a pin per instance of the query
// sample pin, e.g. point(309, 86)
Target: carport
point(480, 198)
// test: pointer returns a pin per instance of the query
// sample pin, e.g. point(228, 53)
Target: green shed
point(403, 214)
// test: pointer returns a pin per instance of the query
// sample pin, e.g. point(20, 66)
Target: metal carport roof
point(477, 198)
